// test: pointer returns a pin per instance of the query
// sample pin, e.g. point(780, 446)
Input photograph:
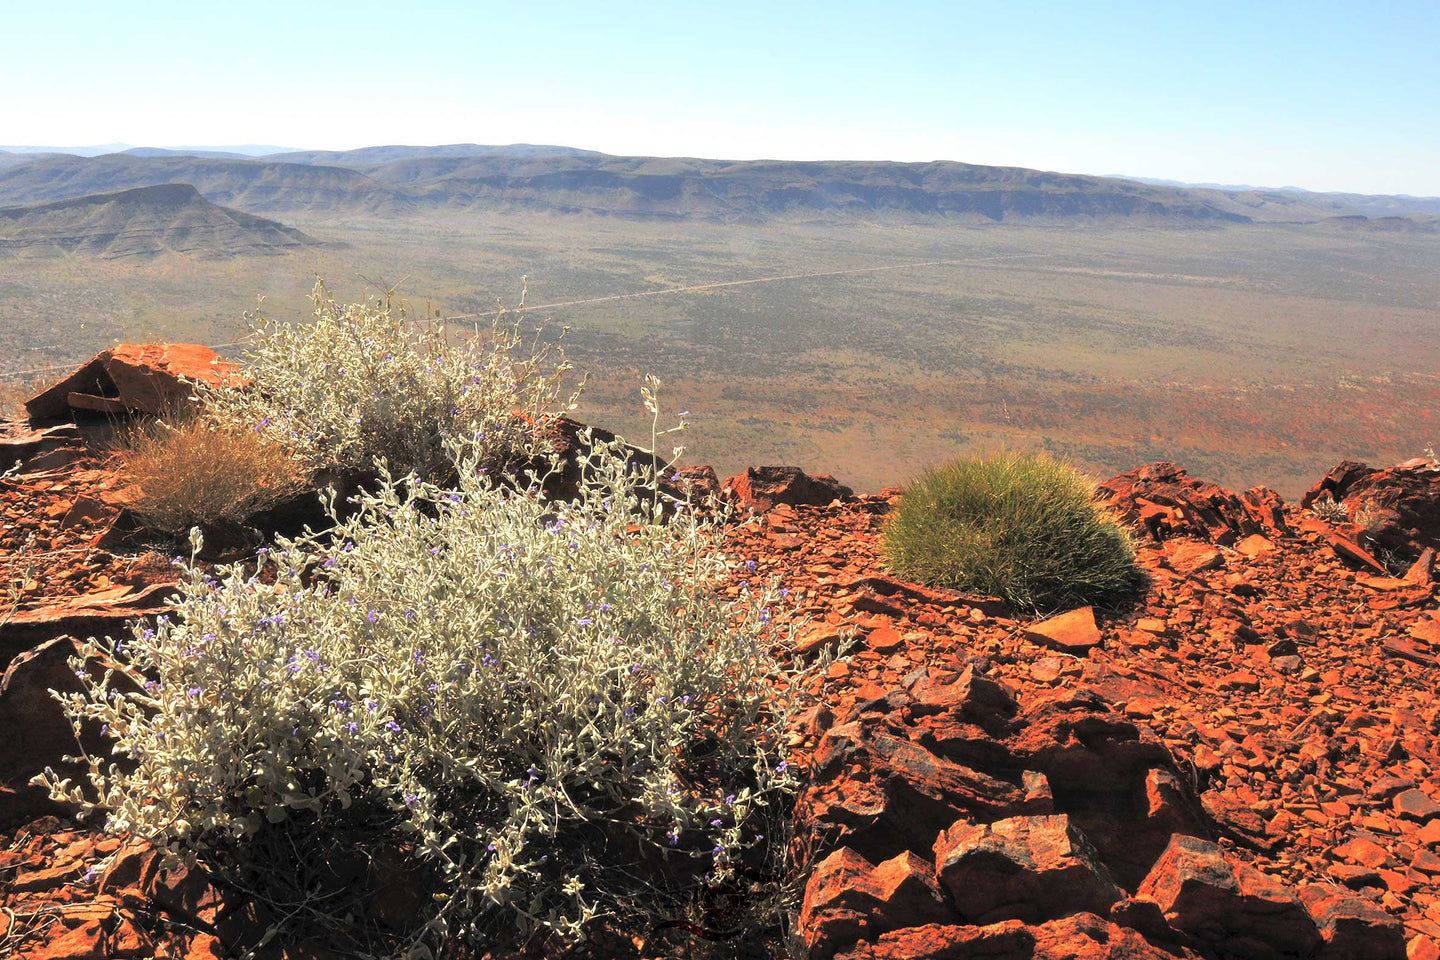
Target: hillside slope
point(145, 221)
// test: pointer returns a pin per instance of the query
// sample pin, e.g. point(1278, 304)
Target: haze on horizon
point(1328, 97)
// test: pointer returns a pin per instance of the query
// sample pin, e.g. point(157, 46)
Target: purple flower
point(373, 616)
point(782, 766)
point(392, 726)
point(584, 622)
point(194, 692)
point(750, 565)
point(352, 727)
point(410, 799)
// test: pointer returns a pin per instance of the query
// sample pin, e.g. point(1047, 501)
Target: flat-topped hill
point(143, 222)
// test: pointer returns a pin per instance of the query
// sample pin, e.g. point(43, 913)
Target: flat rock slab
point(1072, 632)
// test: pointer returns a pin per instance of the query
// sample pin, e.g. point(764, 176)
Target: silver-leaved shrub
point(551, 701)
point(367, 380)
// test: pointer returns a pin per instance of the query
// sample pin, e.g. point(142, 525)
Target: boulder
point(1166, 502)
point(761, 488)
point(881, 795)
point(1230, 906)
point(1352, 927)
point(1023, 868)
point(1113, 777)
point(37, 732)
point(1398, 507)
point(1088, 937)
point(848, 899)
point(1010, 940)
point(150, 378)
point(103, 613)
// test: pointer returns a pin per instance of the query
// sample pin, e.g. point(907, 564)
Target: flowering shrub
point(550, 701)
point(366, 380)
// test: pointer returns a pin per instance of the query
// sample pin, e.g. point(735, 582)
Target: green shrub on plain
point(547, 708)
point(1019, 526)
point(367, 380)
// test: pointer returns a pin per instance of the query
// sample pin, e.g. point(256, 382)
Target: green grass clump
point(1019, 526)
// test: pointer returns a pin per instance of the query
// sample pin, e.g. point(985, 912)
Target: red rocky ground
point(1242, 765)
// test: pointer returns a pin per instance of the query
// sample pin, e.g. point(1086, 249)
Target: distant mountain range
point(391, 181)
point(142, 222)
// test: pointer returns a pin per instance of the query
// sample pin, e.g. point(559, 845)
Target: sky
point(1325, 96)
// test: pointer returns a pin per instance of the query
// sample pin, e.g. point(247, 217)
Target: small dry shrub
point(192, 471)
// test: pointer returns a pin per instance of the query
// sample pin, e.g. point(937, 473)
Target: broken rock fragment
point(1232, 907)
point(1022, 868)
point(849, 899)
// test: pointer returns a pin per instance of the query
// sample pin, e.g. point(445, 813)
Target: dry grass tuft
point(191, 471)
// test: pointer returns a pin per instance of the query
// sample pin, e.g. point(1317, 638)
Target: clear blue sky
point(1320, 95)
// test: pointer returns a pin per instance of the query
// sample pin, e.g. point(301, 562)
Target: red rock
point(1422, 571)
point(761, 488)
point(1255, 545)
point(1010, 940)
point(1422, 947)
point(1071, 632)
point(1405, 650)
point(849, 899)
point(1401, 502)
point(903, 594)
point(884, 640)
point(103, 613)
point(1365, 852)
point(1351, 551)
point(38, 734)
point(1231, 906)
point(145, 377)
point(1416, 805)
point(1352, 927)
point(1022, 868)
point(881, 795)
point(83, 942)
point(1427, 630)
point(1187, 557)
point(1168, 502)
point(700, 482)
point(1088, 937)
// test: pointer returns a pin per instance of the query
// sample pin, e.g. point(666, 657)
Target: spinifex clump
point(1019, 526)
point(546, 707)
